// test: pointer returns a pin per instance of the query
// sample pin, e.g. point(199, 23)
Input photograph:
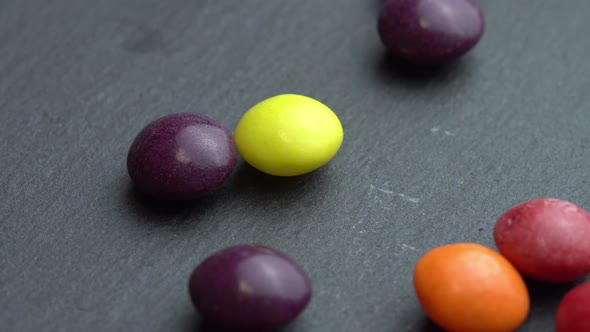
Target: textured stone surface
point(430, 157)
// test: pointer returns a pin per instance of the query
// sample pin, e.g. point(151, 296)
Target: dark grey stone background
point(429, 157)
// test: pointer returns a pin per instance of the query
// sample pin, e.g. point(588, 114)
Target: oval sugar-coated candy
point(469, 287)
point(430, 32)
point(573, 313)
point(288, 135)
point(249, 288)
point(546, 239)
point(181, 156)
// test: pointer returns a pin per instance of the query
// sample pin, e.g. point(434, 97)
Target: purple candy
point(249, 288)
point(430, 31)
point(181, 156)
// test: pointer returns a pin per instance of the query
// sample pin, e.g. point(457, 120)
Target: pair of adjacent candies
point(547, 240)
point(183, 156)
point(186, 155)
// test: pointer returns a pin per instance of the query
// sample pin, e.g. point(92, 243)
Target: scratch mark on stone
point(389, 192)
point(409, 247)
point(448, 133)
point(409, 199)
point(436, 131)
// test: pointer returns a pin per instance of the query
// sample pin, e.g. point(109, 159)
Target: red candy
point(573, 314)
point(546, 239)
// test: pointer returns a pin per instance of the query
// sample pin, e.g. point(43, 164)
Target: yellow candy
point(288, 135)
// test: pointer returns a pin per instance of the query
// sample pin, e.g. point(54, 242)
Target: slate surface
point(429, 157)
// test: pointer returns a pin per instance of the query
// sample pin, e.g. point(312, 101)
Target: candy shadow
point(428, 326)
point(247, 185)
point(194, 323)
point(199, 325)
point(378, 4)
point(203, 326)
point(166, 213)
point(391, 70)
point(546, 296)
point(257, 186)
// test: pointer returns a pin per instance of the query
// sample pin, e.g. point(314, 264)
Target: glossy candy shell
point(249, 288)
point(181, 156)
point(430, 32)
point(546, 239)
point(573, 314)
point(288, 135)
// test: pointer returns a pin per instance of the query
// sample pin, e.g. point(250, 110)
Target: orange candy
point(466, 287)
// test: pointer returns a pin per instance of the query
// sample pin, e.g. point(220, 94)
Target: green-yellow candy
point(288, 135)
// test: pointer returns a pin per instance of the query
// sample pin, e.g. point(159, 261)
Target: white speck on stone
point(402, 196)
point(434, 130)
point(409, 247)
point(409, 199)
point(448, 133)
point(389, 192)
